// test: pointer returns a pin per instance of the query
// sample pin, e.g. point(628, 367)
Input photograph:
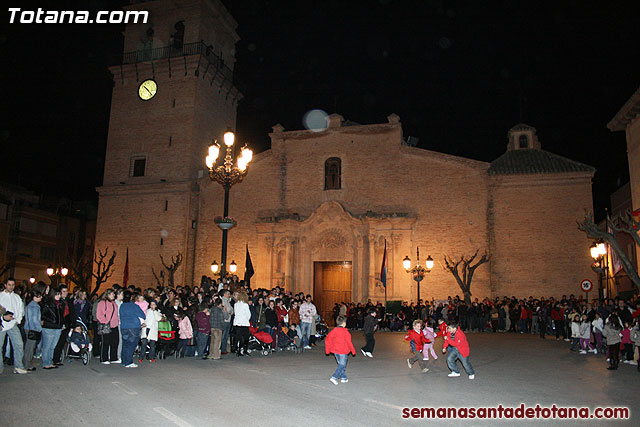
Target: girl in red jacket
point(417, 342)
point(338, 342)
point(457, 340)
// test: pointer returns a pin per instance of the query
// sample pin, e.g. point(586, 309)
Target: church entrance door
point(331, 284)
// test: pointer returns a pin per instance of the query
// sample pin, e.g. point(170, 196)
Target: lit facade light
point(229, 138)
point(64, 271)
point(214, 267)
point(50, 271)
point(602, 249)
point(429, 263)
point(32, 279)
point(214, 151)
point(595, 253)
point(247, 154)
point(406, 263)
point(242, 164)
point(209, 161)
point(233, 267)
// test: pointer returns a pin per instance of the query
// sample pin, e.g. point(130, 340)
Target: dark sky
point(459, 75)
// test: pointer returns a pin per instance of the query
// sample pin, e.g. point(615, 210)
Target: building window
point(137, 166)
point(332, 174)
point(524, 141)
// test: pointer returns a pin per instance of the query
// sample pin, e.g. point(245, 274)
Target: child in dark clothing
point(78, 339)
point(339, 343)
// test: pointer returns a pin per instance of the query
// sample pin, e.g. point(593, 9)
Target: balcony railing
point(187, 49)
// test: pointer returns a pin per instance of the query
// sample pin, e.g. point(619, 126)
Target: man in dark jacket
point(69, 319)
point(369, 328)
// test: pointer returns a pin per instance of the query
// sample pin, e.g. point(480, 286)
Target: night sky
point(459, 75)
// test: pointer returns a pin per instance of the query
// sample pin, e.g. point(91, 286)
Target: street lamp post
point(417, 271)
point(598, 252)
point(227, 175)
point(56, 273)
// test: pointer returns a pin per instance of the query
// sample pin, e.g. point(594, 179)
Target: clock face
point(147, 89)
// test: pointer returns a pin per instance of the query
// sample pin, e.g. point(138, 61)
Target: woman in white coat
point(150, 333)
point(241, 323)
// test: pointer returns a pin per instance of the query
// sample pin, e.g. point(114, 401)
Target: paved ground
point(285, 389)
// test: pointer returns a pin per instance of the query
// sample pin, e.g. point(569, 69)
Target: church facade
point(317, 209)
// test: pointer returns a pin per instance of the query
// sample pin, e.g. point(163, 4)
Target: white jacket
point(13, 303)
point(242, 314)
point(585, 330)
point(575, 330)
point(597, 324)
point(152, 319)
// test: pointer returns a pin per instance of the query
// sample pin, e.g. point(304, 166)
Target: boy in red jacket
point(417, 341)
point(442, 328)
point(459, 350)
point(338, 342)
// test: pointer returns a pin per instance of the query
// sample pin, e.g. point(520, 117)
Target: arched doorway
point(331, 285)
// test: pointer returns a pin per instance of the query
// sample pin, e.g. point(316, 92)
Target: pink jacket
point(108, 310)
point(186, 331)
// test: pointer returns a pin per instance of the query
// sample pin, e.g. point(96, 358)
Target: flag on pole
point(248, 267)
point(616, 264)
point(383, 270)
point(125, 278)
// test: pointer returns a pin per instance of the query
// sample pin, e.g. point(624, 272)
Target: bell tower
point(173, 93)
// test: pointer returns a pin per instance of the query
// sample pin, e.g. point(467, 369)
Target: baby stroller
point(167, 340)
point(259, 341)
point(321, 330)
point(78, 350)
point(288, 339)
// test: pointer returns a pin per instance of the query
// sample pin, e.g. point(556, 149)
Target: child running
point(460, 350)
point(417, 341)
point(430, 336)
point(339, 343)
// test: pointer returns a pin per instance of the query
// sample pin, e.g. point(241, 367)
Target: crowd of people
point(219, 317)
point(127, 323)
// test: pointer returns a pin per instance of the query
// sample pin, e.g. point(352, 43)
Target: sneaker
point(583, 352)
point(454, 374)
point(567, 339)
point(363, 352)
point(425, 358)
point(307, 347)
point(117, 361)
point(369, 354)
point(425, 370)
point(106, 363)
point(344, 380)
point(626, 361)
point(409, 363)
point(20, 371)
point(132, 365)
point(633, 362)
point(472, 376)
point(333, 380)
point(595, 351)
point(607, 359)
point(591, 350)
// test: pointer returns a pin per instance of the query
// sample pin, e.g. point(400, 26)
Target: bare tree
point(80, 271)
point(159, 277)
point(172, 267)
point(624, 223)
point(103, 269)
point(465, 276)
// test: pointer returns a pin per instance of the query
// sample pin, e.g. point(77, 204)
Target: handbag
point(34, 335)
point(105, 328)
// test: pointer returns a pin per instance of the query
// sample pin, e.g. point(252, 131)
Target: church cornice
point(629, 111)
point(449, 158)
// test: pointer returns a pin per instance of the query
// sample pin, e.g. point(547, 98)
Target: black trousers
point(614, 354)
point(242, 337)
point(560, 329)
point(109, 346)
point(371, 342)
point(57, 351)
